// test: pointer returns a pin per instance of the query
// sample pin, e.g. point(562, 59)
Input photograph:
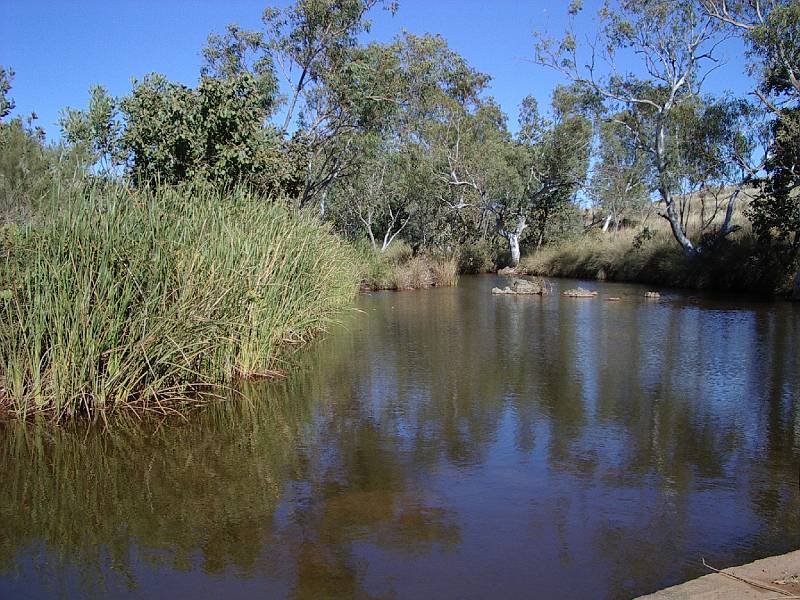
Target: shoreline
point(771, 577)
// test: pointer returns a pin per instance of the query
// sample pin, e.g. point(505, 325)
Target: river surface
point(441, 444)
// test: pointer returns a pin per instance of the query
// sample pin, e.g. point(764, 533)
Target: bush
point(29, 170)
point(475, 258)
point(381, 272)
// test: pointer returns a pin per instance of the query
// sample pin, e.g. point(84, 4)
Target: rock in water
point(524, 286)
point(652, 295)
point(521, 287)
point(580, 293)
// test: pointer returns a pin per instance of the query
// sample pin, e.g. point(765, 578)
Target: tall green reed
point(114, 297)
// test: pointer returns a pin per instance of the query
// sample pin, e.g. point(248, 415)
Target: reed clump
point(408, 272)
point(111, 297)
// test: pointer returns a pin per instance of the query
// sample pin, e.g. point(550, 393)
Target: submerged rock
point(522, 287)
point(580, 293)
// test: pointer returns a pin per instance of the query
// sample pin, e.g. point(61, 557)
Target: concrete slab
point(776, 577)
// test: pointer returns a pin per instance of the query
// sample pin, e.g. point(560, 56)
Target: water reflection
point(445, 443)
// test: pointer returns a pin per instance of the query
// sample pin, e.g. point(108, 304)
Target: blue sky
point(59, 48)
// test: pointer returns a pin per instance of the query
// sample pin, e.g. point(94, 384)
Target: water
point(443, 444)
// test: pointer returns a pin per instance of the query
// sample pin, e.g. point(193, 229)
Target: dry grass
point(444, 272)
point(735, 264)
point(413, 273)
point(649, 253)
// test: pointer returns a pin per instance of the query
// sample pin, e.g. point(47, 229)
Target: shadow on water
point(445, 443)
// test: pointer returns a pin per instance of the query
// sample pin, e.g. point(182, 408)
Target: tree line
point(403, 141)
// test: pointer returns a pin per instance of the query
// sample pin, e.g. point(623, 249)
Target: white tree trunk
point(513, 243)
point(513, 238)
point(607, 223)
point(666, 194)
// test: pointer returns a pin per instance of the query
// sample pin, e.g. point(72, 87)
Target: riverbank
point(736, 265)
point(398, 269)
point(774, 577)
point(119, 298)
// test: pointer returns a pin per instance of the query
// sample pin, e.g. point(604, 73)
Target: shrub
point(475, 258)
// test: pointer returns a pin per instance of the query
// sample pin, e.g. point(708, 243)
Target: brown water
point(444, 444)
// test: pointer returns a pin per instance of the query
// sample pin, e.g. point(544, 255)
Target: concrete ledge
point(780, 574)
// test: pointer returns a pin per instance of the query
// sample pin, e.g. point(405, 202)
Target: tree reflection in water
point(443, 443)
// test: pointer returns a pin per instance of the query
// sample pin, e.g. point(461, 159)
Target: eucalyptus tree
point(334, 87)
point(552, 161)
point(674, 45)
point(452, 125)
point(619, 185)
point(771, 28)
point(476, 167)
point(431, 131)
point(377, 200)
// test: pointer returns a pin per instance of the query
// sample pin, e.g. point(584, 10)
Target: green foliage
point(476, 257)
point(773, 34)
point(775, 40)
point(6, 103)
point(619, 183)
point(124, 298)
point(96, 130)
point(644, 235)
point(29, 169)
point(332, 97)
point(238, 52)
point(775, 212)
point(172, 133)
point(214, 132)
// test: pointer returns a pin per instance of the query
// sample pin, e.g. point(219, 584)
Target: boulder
point(507, 272)
point(580, 293)
point(521, 287)
point(652, 295)
point(526, 286)
point(505, 290)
